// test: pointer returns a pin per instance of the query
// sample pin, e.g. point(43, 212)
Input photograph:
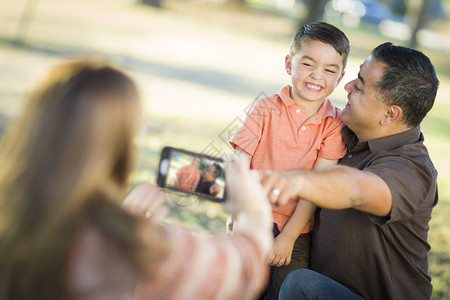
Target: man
point(370, 237)
point(207, 184)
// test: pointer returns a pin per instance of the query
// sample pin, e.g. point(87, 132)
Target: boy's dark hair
point(324, 32)
point(409, 81)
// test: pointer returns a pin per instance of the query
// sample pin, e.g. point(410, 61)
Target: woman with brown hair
point(64, 234)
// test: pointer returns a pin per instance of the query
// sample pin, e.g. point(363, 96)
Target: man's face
point(364, 112)
point(211, 170)
point(208, 172)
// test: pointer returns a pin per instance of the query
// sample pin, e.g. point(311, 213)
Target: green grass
point(437, 138)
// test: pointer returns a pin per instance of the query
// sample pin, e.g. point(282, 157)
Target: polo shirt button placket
point(298, 110)
point(303, 128)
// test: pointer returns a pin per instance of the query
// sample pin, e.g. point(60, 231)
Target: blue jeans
point(308, 284)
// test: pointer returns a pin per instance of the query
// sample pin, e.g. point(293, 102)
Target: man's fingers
point(277, 191)
point(277, 187)
point(268, 181)
point(285, 194)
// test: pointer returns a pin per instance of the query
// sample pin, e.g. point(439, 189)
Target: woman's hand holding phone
point(146, 200)
point(248, 202)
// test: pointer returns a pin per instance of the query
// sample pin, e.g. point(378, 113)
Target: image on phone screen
point(192, 173)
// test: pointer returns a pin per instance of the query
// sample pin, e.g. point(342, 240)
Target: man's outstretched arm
point(337, 187)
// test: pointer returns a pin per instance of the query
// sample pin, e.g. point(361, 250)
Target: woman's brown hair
point(64, 164)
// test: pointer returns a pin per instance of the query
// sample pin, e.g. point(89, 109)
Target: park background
point(200, 64)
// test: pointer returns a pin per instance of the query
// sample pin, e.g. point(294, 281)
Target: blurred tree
point(399, 7)
point(235, 2)
point(25, 21)
point(154, 3)
point(315, 12)
point(416, 15)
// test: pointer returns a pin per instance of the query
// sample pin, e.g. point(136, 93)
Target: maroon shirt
point(382, 257)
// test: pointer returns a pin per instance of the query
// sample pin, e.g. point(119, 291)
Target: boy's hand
point(281, 251)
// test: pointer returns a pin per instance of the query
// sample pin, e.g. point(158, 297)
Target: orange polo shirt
point(279, 136)
point(187, 178)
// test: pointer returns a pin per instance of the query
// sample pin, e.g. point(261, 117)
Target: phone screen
point(192, 173)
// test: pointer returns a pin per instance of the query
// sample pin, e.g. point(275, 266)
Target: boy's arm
point(284, 242)
point(245, 156)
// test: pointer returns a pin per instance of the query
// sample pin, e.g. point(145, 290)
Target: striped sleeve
point(209, 267)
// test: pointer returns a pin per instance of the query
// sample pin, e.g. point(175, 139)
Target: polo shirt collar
point(349, 138)
point(326, 110)
point(285, 96)
point(386, 143)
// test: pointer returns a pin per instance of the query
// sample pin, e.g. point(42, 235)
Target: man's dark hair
point(217, 170)
point(409, 81)
point(324, 32)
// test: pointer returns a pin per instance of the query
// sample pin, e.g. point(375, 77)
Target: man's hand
point(281, 251)
point(279, 186)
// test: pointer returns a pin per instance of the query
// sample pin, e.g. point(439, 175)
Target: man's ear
point(393, 114)
point(288, 64)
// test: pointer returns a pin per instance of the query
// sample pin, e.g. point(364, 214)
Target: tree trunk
point(417, 13)
point(316, 8)
point(25, 21)
point(235, 2)
point(154, 3)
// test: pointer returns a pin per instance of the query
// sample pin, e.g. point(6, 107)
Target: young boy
point(188, 177)
point(297, 128)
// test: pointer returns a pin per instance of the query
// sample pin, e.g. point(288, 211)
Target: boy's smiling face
point(315, 71)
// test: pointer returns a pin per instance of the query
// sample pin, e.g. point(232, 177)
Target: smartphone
point(192, 173)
